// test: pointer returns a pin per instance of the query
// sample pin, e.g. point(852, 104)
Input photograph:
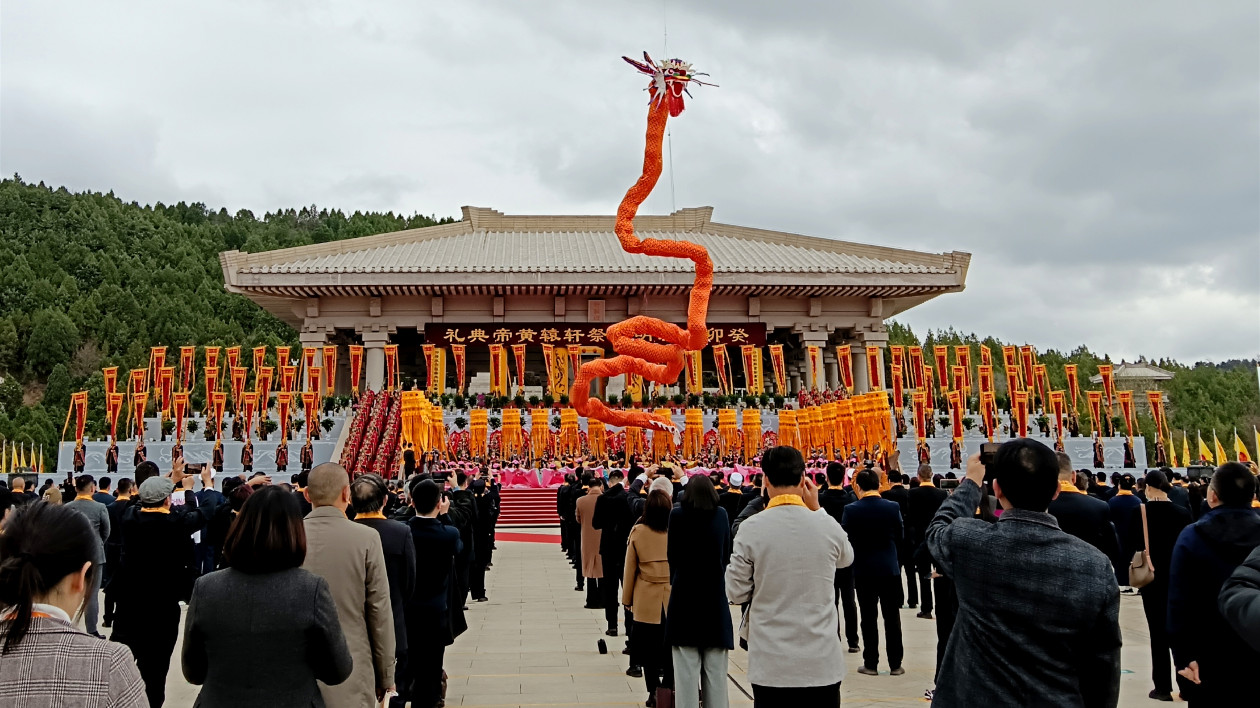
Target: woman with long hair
point(46, 572)
point(699, 629)
point(263, 601)
point(645, 592)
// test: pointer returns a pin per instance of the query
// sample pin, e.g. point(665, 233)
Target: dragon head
point(670, 79)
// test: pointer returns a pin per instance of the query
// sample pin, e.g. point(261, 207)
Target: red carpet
point(527, 537)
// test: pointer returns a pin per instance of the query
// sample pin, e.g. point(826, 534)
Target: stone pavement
point(533, 645)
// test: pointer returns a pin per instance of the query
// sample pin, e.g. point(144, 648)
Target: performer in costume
point(247, 457)
point(237, 429)
point(216, 458)
point(141, 453)
point(111, 458)
point(282, 457)
point(1098, 452)
point(307, 456)
point(80, 457)
point(1129, 461)
point(1161, 454)
point(1058, 445)
point(955, 455)
point(901, 424)
point(177, 451)
point(925, 453)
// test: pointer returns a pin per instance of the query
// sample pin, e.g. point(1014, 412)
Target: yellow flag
point(1205, 452)
point(22, 462)
point(1172, 452)
point(1185, 449)
point(1221, 457)
point(1240, 449)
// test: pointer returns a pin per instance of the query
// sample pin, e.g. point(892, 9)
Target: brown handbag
point(1141, 572)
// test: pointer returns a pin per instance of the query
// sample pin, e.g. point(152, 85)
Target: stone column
point(833, 373)
point(861, 376)
point(374, 358)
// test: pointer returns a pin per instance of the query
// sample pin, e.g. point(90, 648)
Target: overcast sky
point(1100, 160)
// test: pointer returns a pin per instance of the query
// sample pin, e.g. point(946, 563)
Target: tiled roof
point(528, 251)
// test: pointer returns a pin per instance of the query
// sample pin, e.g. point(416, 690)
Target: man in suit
point(367, 496)
point(1083, 516)
point(924, 500)
point(1177, 494)
point(463, 514)
point(612, 520)
point(1121, 509)
point(782, 567)
point(113, 546)
point(898, 493)
point(487, 500)
point(1036, 606)
point(102, 494)
point(97, 515)
point(833, 500)
point(431, 625)
point(349, 556)
point(875, 529)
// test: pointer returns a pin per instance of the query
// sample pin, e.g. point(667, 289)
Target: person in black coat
point(1122, 508)
point(463, 514)
point(487, 500)
point(113, 548)
point(1177, 493)
point(1240, 600)
point(699, 618)
point(290, 617)
point(368, 495)
point(1084, 516)
point(730, 497)
point(833, 500)
point(898, 493)
point(433, 621)
point(875, 529)
point(1165, 521)
point(923, 502)
point(614, 518)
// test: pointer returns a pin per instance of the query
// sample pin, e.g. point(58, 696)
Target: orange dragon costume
point(652, 360)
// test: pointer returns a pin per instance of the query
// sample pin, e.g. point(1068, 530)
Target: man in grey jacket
point(783, 566)
point(1038, 610)
point(349, 556)
point(98, 517)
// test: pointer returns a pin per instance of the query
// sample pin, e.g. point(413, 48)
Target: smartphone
point(194, 468)
point(987, 452)
point(949, 483)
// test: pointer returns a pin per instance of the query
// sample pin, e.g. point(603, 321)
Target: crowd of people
point(353, 588)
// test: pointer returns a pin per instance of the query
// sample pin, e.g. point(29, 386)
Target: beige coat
point(592, 567)
point(645, 584)
point(349, 557)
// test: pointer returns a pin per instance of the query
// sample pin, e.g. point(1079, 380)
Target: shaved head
point(326, 483)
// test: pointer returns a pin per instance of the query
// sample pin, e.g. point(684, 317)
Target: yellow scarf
point(1069, 488)
point(84, 496)
point(1124, 493)
point(370, 515)
point(785, 500)
point(154, 510)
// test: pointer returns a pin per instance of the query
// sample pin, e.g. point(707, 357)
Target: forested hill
point(87, 280)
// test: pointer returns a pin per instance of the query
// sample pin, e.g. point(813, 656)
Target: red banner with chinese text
point(954, 398)
point(722, 365)
point(1027, 359)
point(916, 372)
point(895, 374)
point(284, 402)
point(919, 400)
point(1043, 384)
point(288, 377)
point(262, 384)
point(138, 401)
point(111, 379)
point(751, 381)
point(314, 377)
point(986, 356)
point(218, 403)
point(844, 358)
point(780, 369)
point(179, 405)
point(166, 377)
point(549, 356)
point(873, 368)
point(929, 387)
point(309, 402)
point(988, 413)
point(815, 365)
point(1073, 385)
point(460, 366)
point(212, 357)
point(1012, 387)
point(157, 359)
point(430, 369)
point(962, 355)
point(518, 353)
point(1021, 412)
point(985, 378)
point(392, 381)
point(330, 368)
point(1127, 412)
point(1155, 399)
point(1094, 398)
point(498, 375)
point(1058, 405)
point(248, 405)
point(356, 366)
point(282, 355)
point(238, 386)
point(233, 357)
point(1106, 371)
point(113, 411)
point(941, 354)
point(693, 368)
point(260, 357)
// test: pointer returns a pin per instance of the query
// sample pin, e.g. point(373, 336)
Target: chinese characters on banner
point(570, 334)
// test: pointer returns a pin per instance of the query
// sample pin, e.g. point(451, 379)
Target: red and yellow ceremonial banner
point(212, 357)
point(166, 381)
point(260, 357)
point(575, 361)
point(986, 356)
point(1127, 412)
point(815, 364)
point(282, 355)
point(308, 356)
point(916, 372)
point(77, 409)
point(897, 356)
point(460, 366)
point(929, 387)
point(746, 355)
point(549, 357)
point(959, 377)
point(238, 385)
point(518, 353)
point(157, 359)
point(233, 355)
point(262, 384)
point(498, 370)
point(988, 413)
point(218, 403)
point(694, 372)
point(1028, 359)
point(288, 377)
point(1043, 384)
point(873, 367)
point(212, 381)
point(309, 401)
point(1155, 399)
point(248, 405)
point(899, 400)
point(113, 411)
point(561, 368)
point(1021, 412)
point(187, 362)
point(1094, 398)
point(314, 377)
point(941, 355)
point(138, 401)
point(430, 368)
point(1073, 385)
point(1106, 371)
point(1012, 386)
point(111, 379)
point(330, 369)
point(919, 401)
point(179, 406)
point(284, 403)
point(962, 354)
point(985, 377)
point(780, 369)
point(1058, 405)
point(391, 367)
point(722, 365)
point(954, 398)
point(844, 360)
point(139, 381)
point(356, 367)
point(1010, 357)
